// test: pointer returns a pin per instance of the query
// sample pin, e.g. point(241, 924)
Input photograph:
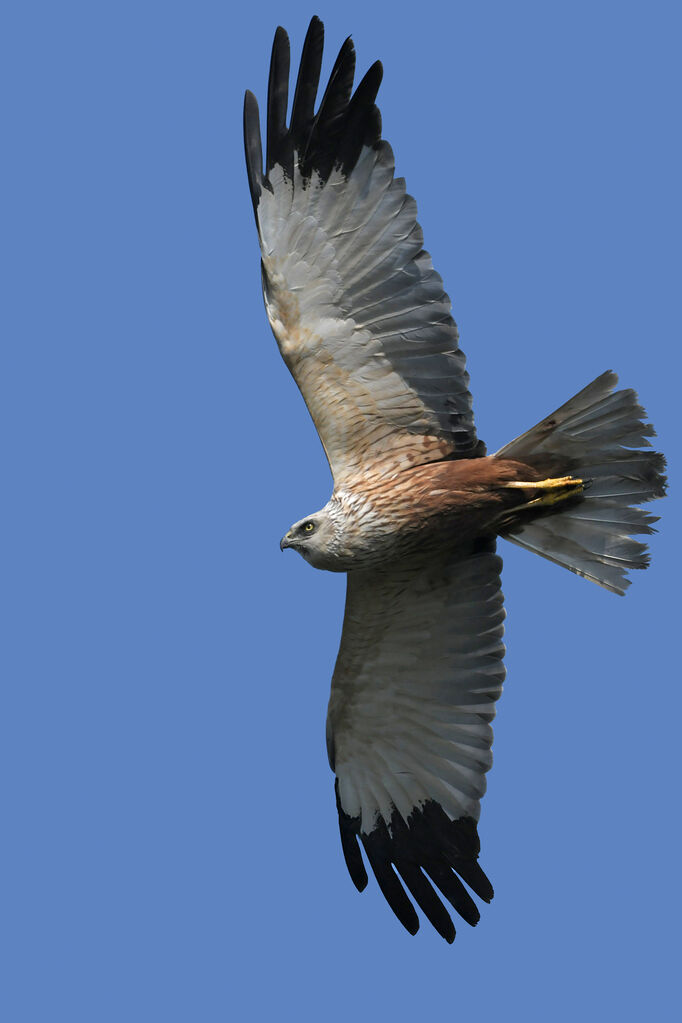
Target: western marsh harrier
point(364, 325)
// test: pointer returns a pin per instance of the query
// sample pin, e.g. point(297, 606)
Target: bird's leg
point(546, 493)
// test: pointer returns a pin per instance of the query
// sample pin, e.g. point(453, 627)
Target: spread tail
point(598, 436)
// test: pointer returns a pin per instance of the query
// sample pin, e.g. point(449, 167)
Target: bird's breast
point(432, 507)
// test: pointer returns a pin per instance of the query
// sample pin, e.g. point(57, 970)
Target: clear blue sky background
point(169, 832)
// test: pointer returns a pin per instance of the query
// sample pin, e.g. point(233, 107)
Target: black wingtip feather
point(426, 899)
point(350, 847)
point(324, 140)
point(321, 151)
point(252, 147)
point(428, 847)
point(362, 126)
point(279, 147)
point(303, 107)
point(381, 856)
point(476, 879)
point(454, 891)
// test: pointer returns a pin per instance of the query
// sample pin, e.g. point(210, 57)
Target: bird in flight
point(364, 325)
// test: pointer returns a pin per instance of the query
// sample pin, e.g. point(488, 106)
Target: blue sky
point(169, 825)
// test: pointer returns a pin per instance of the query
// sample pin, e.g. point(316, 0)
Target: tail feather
point(598, 436)
point(608, 573)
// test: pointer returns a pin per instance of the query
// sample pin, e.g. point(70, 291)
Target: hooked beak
point(285, 541)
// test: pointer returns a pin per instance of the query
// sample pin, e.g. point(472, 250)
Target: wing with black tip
point(357, 309)
point(409, 729)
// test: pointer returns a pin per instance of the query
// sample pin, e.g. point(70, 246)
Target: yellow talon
point(550, 491)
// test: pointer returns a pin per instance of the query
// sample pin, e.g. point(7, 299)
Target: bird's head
point(316, 539)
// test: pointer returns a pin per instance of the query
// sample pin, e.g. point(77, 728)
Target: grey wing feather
point(359, 313)
point(409, 725)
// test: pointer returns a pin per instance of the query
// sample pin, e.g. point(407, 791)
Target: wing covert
point(359, 313)
point(409, 728)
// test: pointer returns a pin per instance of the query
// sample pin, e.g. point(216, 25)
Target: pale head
point(346, 534)
point(316, 538)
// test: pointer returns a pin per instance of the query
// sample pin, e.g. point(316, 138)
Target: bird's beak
point(284, 542)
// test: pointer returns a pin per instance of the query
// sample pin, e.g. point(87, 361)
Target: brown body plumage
point(438, 507)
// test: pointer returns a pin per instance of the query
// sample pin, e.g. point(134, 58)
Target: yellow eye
point(308, 527)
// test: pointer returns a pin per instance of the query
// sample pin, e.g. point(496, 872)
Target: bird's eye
point(308, 527)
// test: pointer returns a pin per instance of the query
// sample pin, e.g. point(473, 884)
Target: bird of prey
point(364, 325)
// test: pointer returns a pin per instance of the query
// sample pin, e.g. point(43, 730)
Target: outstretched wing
point(409, 728)
point(357, 309)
